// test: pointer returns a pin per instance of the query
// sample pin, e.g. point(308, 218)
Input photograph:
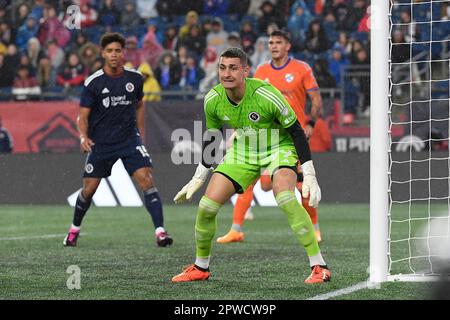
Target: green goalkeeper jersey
point(259, 118)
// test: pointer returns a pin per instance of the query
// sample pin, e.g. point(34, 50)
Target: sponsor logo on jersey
point(254, 116)
point(129, 87)
point(289, 77)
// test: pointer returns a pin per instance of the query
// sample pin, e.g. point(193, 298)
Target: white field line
point(45, 236)
point(340, 292)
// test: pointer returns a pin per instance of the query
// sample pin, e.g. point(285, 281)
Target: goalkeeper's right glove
point(310, 187)
point(199, 178)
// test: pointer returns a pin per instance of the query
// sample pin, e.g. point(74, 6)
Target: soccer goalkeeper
point(268, 136)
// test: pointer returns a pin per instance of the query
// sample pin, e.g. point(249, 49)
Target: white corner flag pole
point(379, 126)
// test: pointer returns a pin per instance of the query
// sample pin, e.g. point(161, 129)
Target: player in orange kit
point(295, 80)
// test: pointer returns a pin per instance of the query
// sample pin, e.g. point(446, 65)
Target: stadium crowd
point(176, 43)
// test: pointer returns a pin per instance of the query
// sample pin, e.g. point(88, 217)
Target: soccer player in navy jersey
point(110, 123)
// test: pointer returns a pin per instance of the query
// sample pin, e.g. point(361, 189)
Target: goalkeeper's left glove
point(199, 178)
point(310, 186)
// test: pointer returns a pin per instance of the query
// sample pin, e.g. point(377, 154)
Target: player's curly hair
point(111, 37)
point(236, 53)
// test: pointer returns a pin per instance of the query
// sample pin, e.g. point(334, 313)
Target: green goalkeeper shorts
point(245, 169)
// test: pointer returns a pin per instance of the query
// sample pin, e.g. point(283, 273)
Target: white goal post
point(410, 177)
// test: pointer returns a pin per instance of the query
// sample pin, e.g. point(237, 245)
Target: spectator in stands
point(72, 73)
point(55, 54)
point(362, 15)
point(234, 40)
point(11, 61)
point(337, 65)
point(261, 54)
point(133, 54)
point(239, 7)
point(206, 26)
point(215, 8)
point(89, 15)
point(146, 9)
point(182, 54)
point(80, 40)
point(316, 38)
point(362, 65)
point(218, 37)
point(151, 49)
point(26, 62)
point(248, 35)
point(269, 15)
point(298, 22)
point(6, 141)
point(34, 52)
point(5, 73)
point(108, 15)
point(195, 41)
point(130, 18)
point(168, 72)
point(341, 13)
point(37, 9)
point(20, 16)
point(208, 64)
point(170, 41)
point(25, 86)
point(344, 44)
point(53, 28)
point(6, 34)
point(89, 53)
point(26, 32)
point(191, 20)
point(151, 86)
point(44, 73)
point(323, 76)
point(254, 8)
point(190, 74)
point(400, 51)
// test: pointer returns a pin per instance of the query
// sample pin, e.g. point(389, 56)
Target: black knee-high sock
point(81, 207)
point(154, 206)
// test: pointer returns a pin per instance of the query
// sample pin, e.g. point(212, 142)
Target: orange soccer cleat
point(319, 274)
point(231, 236)
point(191, 273)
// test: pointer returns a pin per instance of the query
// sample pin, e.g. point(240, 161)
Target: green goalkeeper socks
point(299, 221)
point(205, 226)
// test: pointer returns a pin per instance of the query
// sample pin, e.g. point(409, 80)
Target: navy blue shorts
point(134, 156)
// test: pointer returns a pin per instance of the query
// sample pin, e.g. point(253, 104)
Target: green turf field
point(118, 257)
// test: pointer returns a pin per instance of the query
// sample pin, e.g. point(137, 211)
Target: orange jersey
point(294, 80)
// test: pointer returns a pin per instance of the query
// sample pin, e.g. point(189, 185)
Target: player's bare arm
point(140, 119)
point(316, 104)
point(82, 121)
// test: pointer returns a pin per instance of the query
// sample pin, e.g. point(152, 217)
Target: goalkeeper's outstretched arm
point(310, 186)
point(201, 173)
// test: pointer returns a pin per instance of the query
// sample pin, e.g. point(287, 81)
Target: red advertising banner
point(41, 126)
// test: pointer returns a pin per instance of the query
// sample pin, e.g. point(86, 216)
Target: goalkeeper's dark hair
point(236, 53)
point(111, 37)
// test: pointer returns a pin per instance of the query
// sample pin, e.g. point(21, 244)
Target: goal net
point(418, 164)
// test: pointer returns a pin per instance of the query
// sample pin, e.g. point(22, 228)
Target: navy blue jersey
point(113, 102)
point(6, 142)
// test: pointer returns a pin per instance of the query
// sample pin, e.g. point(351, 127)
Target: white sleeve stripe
point(96, 74)
point(271, 94)
point(211, 93)
point(276, 103)
point(209, 98)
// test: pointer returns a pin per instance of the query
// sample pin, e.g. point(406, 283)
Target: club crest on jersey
point(129, 87)
point(89, 168)
point(289, 77)
point(254, 116)
point(105, 102)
